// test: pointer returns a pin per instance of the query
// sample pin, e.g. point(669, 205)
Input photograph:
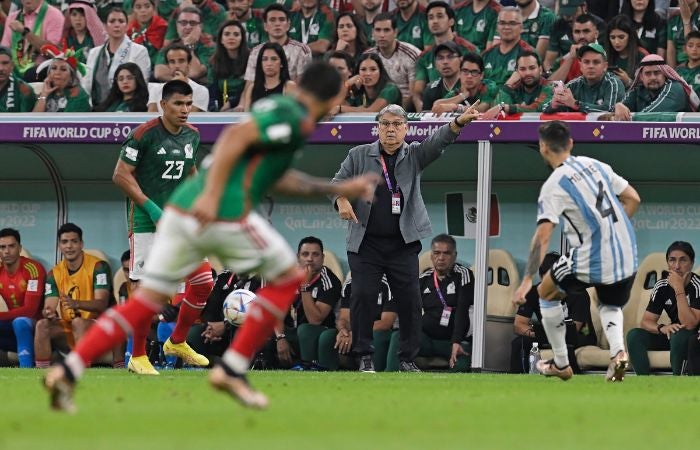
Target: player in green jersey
point(155, 159)
point(212, 214)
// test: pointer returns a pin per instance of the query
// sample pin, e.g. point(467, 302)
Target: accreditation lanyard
point(304, 32)
point(446, 310)
point(395, 196)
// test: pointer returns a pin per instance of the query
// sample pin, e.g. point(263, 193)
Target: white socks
point(612, 321)
point(554, 326)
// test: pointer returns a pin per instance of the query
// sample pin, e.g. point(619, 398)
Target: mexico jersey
point(278, 119)
point(584, 192)
point(162, 160)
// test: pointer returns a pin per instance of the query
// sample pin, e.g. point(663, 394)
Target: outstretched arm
point(294, 182)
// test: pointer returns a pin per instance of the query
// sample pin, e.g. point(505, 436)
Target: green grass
point(433, 411)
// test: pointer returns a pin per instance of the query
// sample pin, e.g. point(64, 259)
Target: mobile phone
point(613, 68)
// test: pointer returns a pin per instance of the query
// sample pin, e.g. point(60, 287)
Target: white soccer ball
point(236, 305)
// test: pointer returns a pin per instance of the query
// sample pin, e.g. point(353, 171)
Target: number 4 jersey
point(162, 160)
point(584, 192)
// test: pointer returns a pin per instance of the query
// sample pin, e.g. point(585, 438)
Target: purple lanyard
point(439, 292)
point(385, 172)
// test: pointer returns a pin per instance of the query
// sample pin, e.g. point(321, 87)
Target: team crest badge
point(511, 65)
point(416, 32)
point(481, 25)
point(189, 152)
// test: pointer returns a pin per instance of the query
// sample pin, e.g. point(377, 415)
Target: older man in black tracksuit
point(384, 235)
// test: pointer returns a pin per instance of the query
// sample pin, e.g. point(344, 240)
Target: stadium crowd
point(518, 56)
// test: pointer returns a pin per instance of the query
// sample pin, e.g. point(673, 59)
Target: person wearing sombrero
point(61, 91)
point(656, 88)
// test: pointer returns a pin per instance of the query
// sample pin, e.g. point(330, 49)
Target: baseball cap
point(449, 45)
point(594, 47)
point(568, 7)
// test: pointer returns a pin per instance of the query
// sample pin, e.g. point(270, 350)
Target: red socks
point(197, 290)
point(113, 325)
point(270, 306)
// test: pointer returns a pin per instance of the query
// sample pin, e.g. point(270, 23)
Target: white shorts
point(140, 245)
point(244, 246)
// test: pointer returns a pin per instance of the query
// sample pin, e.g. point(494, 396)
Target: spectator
point(441, 20)
point(371, 89)
point(476, 21)
point(447, 62)
point(82, 29)
point(694, 354)
point(584, 32)
point(276, 20)
point(61, 90)
point(679, 295)
point(562, 38)
point(678, 28)
point(577, 319)
point(343, 63)
point(242, 11)
point(411, 23)
point(648, 25)
point(228, 65)
point(335, 344)
point(384, 235)
point(102, 61)
point(147, 28)
point(500, 59)
point(370, 10)
point(271, 75)
point(179, 58)
point(21, 291)
point(312, 25)
point(129, 91)
point(317, 300)
point(399, 58)
point(124, 290)
point(656, 88)
point(349, 37)
point(202, 47)
point(211, 14)
point(77, 291)
point(529, 93)
point(623, 48)
point(447, 294)
point(537, 24)
point(690, 70)
point(15, 94)
point(473, 87)
point(596, 90)
point(27, 30)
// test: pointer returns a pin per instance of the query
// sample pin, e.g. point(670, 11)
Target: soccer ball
point(236, 306)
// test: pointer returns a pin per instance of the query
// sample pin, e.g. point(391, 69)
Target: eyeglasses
point(473, 73)
point(192, 23)
point(449, 57)
point(386, 123)
point(512, 23)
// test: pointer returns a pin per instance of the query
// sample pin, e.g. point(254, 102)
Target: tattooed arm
point(538, 248)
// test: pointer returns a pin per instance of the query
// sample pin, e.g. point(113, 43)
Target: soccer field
point(312, 410)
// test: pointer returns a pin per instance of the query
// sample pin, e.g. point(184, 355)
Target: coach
point(384, 235)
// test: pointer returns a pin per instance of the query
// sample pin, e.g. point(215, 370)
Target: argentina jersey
point(584, 192)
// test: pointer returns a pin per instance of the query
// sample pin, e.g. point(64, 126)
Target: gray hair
point(392, 109)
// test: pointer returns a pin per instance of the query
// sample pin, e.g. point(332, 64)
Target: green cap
point(568, 7)
point(594, 47)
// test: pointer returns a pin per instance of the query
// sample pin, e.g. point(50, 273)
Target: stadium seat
point(331, 261)
point(424, 261)
point(503, 279)
point(26, 253)
point(598, 357)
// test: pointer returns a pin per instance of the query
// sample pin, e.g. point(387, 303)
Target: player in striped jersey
point(596, 204)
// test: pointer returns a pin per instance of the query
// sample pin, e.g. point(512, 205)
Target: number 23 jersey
point(584, 192)
point(162, 161)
